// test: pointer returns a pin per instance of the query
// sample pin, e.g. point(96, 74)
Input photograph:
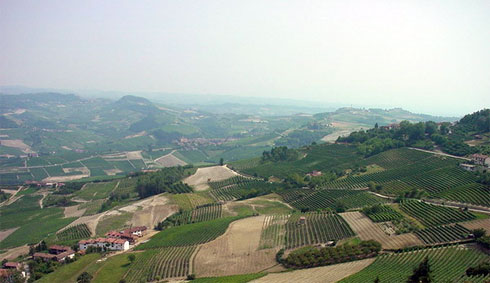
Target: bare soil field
point(200, 179)
point(5, 233)
point(134, 155)
point(150, 211)
point(112, 172)
point(140, 134)
point(331, 273)
point(169, 160)
point(84, 170)
point(17, 144)
point(368, 230)
point(480, 223)
point(15, 252)
point(73, 211)
point(235, 252)
point(65, 178)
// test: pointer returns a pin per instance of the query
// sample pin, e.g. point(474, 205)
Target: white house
point(105, 243)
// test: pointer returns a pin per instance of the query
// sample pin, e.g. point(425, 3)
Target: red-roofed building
point(57, 249)
point(138, 230)
point(12, 265)
point(481, 159)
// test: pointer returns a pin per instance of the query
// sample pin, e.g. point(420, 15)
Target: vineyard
point(80, 231)
point(432, 215)
point(471, 193)
point(189, 201)
point(190, 234)
point(328, 199)
point(441, 234)
point(179, 188)
point(159, 264)
point(240, 187)
point(382, 213)
point(317, 228)
point(273, 231)
point(448, 264)
point(202, 213)
point(423, 166)
point(396, 158)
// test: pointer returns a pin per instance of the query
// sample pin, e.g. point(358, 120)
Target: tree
point(376, 280)
point(221, 161)
point(421, 274)
point(131, 258)
point(85, 277)
point(376, 125)
point(478, 233)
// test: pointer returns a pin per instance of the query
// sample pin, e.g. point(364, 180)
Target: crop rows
point(471, 193)
point(419, 167)
point(202, 213)
point(179, 188)
point(79, 231)
point(441, 180)
point(432, 215)
point(273, 231)
point(397, 157)
point(317, 228)
point(329, 199)
point(230, 181)
point(292, 195)
point(448, 264)
point(236, 191)
point(441, 234)
point(159, 264)
point(384, 213)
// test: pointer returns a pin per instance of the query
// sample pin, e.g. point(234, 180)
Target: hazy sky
point(425, 56)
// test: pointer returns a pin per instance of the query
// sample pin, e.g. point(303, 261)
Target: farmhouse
point(314, 173)
point(137, 231)
point(12, 265)
point(481, 159)
point(105, 244)
point(121, 235)
point(56, 253)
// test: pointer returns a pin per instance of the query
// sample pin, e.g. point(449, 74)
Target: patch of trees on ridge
point(164, 180)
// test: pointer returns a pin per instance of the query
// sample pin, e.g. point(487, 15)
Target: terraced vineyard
point(317, 228)
point(231, 191)
point(273, 231)
point(230, 181)
point(329, 199)
point(80, 231)
point(161, 264)
point(189, 201)
point(382, 213)
point(432, 215)
point(422, 166)
point(179, 188)
point(396, 158)
point(202, 213)
point(441, 234)
point(473, 193)
point(448, 264)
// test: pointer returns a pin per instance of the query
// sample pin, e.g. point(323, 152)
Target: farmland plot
point(432, 215)
point(441, 234)
point(331, 273)
point(480, 223)
point(368, 230)
point(235, 252)
point(161, 264)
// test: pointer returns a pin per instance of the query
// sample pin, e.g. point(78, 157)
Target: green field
point(70, 272)
point(242, 278)
point(35, 223)
point(432, 215)
point(187, 235)
point(95, 191)
point(448, 264)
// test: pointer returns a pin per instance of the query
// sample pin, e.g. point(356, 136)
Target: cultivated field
point(368, 230)
point(169, 160)
point(199, 181)
point(480, 223)
point(236, 251)
point(331, 273)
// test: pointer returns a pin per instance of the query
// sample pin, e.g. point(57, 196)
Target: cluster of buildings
point(44, 184)
point(9, 267)
point(56, 253)
point(114, 240)
point(478, 160)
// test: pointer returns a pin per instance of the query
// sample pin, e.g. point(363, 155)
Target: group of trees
point(423, 135)
point(311, 257)
point(281, 153)
point(150, 184)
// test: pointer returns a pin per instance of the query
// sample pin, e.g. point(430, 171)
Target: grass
point(270, 207)
point(112, 222)
point(230, 279)
point(94, 191)
point(191, 234)
point(113, 269)
point(35, 223)
point(69, 272)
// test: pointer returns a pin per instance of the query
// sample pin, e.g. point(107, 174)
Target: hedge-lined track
point(432, 215)
point(442, 234)
point(79, 231)
point(448, 264)
point(159, 264)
